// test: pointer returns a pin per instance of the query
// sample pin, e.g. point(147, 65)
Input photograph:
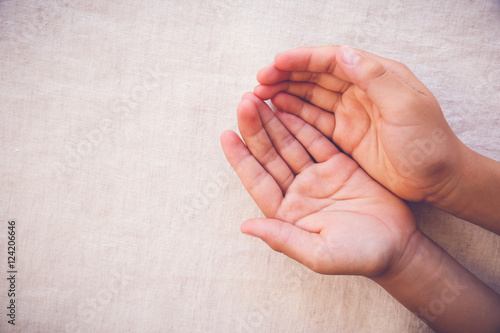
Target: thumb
point(294, 242)
point(382, 86)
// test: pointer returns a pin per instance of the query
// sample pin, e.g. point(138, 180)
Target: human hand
point(322, 209)
point(375, 110)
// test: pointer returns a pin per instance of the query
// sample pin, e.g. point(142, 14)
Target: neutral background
point(127, 213)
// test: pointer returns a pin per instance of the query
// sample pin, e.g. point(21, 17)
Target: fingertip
point(266, 229)
point(278, 58)
point(246, 95)
point(248, 118)
point(256, 227)
point(246, 109)
point(232, 146)
point(227, 135)
point(258, 90)
point(267, 91)
point(263, 73)
point(252, 226)
point(246, 228)
point(229, 139)
point(282, 58)
point(272, 74)
point(293, 59)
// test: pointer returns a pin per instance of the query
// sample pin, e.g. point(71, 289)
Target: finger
point(258, 182)
point(325, 80)
point(286, 145)
point(324, 59)
point(310, 92)
point(320, 119)
point(296, 243)
point(260, 145)
point(380, 85)
point(271, 75)
point(311, 59)
point(318, 145)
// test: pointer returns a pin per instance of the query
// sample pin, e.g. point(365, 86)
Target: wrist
point(448, 195)
point(415, 258)
point(435, 287)
point(472, 190)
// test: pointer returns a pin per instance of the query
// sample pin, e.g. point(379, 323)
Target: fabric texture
point(127, 213)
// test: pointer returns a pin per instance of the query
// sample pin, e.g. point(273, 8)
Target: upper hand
point(375, 110)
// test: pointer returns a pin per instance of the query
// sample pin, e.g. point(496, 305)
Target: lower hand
point(321, 208)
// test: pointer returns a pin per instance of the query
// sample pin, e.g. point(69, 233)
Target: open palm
point(322, 209)
point(379, 113)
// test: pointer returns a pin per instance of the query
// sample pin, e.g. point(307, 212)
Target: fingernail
point(349, 55)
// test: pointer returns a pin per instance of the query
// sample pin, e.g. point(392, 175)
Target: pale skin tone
point(324, 211)
point(376, 111)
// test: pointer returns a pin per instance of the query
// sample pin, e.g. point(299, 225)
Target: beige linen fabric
point(127, 214)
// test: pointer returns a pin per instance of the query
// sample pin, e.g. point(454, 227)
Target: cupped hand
point(375, 110)
point(321, 208)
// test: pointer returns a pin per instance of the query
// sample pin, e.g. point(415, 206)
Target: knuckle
point(375, 69)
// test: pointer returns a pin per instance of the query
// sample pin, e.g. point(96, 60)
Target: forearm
point(434, 286)
point(474, 194)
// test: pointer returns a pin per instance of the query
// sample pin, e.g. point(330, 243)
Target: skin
point(324, 211)
point(377, 112)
